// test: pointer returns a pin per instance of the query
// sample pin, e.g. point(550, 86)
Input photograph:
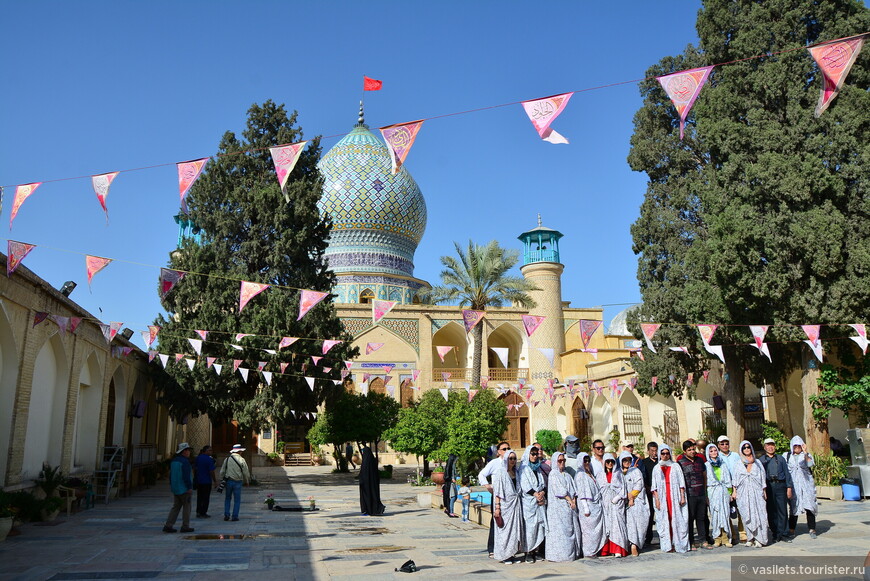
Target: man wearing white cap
point(779, 491)
point(181, 484)
point(732, 461)
point(235, 471)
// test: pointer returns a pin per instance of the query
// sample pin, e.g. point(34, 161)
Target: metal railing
point(144, 454)
point(510, 374)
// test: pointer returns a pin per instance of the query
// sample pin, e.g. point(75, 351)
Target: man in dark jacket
point(779, 491)
point(695, 474)
point(181, 483)
point(648, 463)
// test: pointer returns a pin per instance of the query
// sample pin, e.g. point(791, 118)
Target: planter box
point(830, 492)
point(424, 499)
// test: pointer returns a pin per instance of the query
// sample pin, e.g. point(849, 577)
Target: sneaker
point(785, 539)
point(508, 561)
point(226, 517)
point(813, 534)
point(186, 530)
point(757, 545)
point(169, 530)
point(530, 558)
point(749, 543)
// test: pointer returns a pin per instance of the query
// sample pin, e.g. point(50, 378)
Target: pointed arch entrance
point(580, 420)
point(517, 433)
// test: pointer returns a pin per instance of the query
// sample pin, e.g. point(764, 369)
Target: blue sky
point(94, 87)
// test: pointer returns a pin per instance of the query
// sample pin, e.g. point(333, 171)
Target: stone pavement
point(123, 540)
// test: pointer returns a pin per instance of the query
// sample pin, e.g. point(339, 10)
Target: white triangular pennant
point(196, 344)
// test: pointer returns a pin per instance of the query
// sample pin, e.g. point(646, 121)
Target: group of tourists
point(579, 504)
point(183, 478)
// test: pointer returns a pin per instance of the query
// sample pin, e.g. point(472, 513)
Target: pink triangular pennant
point(484, 382)
point(542, 112)
point(316, 359)
point(415, 373)
point(372, 347)
point(285, 157)
point(202, 334)
point(150, 335)
point(39, 317)
point(151, 355)
point(168, 279)
point(706, 332)
point(62, 324)
point(209, 361)
point(287, 341)
point(812, 332)
point(15, 253)
point(835, 60)
point(706, 374)
point(188, 171)
point(587, 329)
point(655, 380)
point(21, 193)
point(399, 139)
point(307, 300)
point(366, 377)
point(179, 357)
point(236, 363)
point(531, 323)
point(261, 365)
point(283, 366)
point(240, 336)
point(248, 291)
point(327, 370)
point(471, 318)
point(443, 350)
point(387, 368)
point(471, 394)
point(74, 323)
point(758, 333)
point(381, 308)
point(648, 330)
point(329, 344)
point(110, 330)
point(101, 185)
point(387, 379)
point(94, 265)
point(690, 379)
point(445, 375)
point(683, 88)
point(310, 382)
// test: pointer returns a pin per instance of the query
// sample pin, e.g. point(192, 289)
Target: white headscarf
point(581, 461)
point(611, 457)
point(796, 441)
point(670, 453)
point(505, 457)
point(740, 452)
point(707, 454)
point(622, 456)
point(554, 461)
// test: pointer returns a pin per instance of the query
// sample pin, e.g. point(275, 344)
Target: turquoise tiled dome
point(378, 218)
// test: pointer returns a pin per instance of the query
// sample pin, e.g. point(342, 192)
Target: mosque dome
point(378, 218)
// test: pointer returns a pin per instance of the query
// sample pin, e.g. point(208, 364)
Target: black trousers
point(203, 491)
point(652, 517)
point(490, 543)
point(777, 509)
point(811, 521)
point(698, 515)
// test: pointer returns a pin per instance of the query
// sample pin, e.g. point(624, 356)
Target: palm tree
point(477, 278)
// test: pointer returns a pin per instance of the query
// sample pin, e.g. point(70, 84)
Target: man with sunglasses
point(732, 461)
point(484, 479)
point(598, 458)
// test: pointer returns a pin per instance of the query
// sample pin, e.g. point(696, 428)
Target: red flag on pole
point(371, 84)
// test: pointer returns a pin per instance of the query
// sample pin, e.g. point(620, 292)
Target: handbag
point(499, 521)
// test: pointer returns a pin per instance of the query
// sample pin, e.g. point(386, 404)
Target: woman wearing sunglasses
point(510, 529)
point(563, 528)
point(534, 494)
point(750, 486)
point(589, 507)
point(669, 496)
point(612, 487)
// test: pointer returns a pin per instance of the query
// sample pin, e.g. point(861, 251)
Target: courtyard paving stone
point(123, 540)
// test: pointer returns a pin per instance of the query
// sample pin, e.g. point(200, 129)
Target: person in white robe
point(589, 507)
point(533, 488)
point(719, 494)
point(510, 537)
point(803, 499)
point(750, 486)
point(669, 496)
point(612, 487)
point(637, 509)
point(563, 526)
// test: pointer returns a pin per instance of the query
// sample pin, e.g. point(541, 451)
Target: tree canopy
point(249, 232)
point(760, 215)
point(477, 278)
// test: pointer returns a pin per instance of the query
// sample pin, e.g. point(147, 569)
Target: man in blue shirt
point(205, 480)
point(181, 483)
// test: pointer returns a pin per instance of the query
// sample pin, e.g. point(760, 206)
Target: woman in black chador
point(369, 485)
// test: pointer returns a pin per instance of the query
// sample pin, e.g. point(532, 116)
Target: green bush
point(773, 430)
point(828, 470)
point(24, 506)
point(551, 440)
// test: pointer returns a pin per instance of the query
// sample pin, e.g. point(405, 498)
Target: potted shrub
point(438, 475)
point(49, 508)
point(48, 480)
point(827, 472)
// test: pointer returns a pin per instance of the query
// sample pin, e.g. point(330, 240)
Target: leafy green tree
point(249, 232)
point(551, 440)
point(472, 427)
point(844, 387)
point(377, 414)
point(420, 429)
point(759, 215)
point(477, 278)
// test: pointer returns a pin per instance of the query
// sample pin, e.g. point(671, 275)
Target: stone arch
point(580, 421)
point(117, 406)
point(87, 427)
point(46, 418)
point(395, 348)
point(504, 336)
point(517, 433)
point(663, 420)
point(8, 383)
point(366, 296)
point(562, 421)
point(450, 334)
point(601, 415)
point(376, 385)
point(631, 419)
